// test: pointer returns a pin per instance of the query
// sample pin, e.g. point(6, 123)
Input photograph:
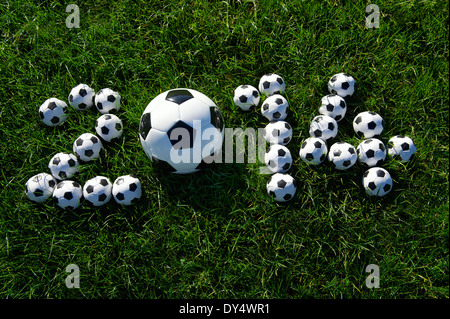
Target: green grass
point(216, 234)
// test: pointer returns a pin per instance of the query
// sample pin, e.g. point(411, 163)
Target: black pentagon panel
point(281, 183)
point(286, 166)
point(120, 196)
point(83, 92)
point(381, 145)
point(281, 152)
point(79, 142)
point(88, 153)
point(82, 106)
point(62, 175)
point(118, 126)
point(317, 133)
point(181, 136)
point(342, 104)
point(366, 173)
point(266, 84)
point(346, 163)
point(372, 185)
point(351, 150)
point(216, 118)
point(54, 120)
point(56, 161)
point(372, 125)
point(89, 189)
point(105, 130)
point(179, 96)
point(280, 80)
point(99, 105)
point(287, 197)
point(330, 126)
point(345, 85)
point(304, 144)
point(71, 162)
point(68, 195)
point(111, 98)
point(387, 187)
point(279, 101)
point(309, 156)
point(255, 93)
point(322, 157)
point(103, 182)
point(370, 153)
point(330, 107)
point(333, 79)
point(145, 125)
point(70, 98)
point(276, 115)
point(337, 153)
point(358, 120)
point(286, 140)
point(405, 146)
point(102, 197)
point(317, 144)
point(380, 173)
point(133, 187)
point(51, 183)
point(338, 117)
point(265, 107)
point(243, 99)
point(51, 106)
point(41, 115)
point(94, 139)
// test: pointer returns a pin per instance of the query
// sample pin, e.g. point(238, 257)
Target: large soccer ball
point(81, 97)
point(278, 159)
point(183, 129)
point(63, 165)
point(401, 147)
point(127, 190)
point(109, 127)
point(40, 187)
point(377, 181)
point(313, 151)
point(368, 124)
point(342, 85)
point(324, 127)
point(333, 105)
point(107, 101)
point(278, 132)
point(87, 147)
point(270, 84)
point(275, 108)
point(97, 190)
point(281, 187)
point(246, 97)
point(68, 194)
point(342, 155)
point(371, 152)
point(53, 112)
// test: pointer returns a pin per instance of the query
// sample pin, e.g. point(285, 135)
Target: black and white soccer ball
point(278, 132)
point(281, 187)
point(97, 190)
point(109, 127)
point(342, 85)
point(402, 148)
point(40, 187)
point(126, 190)
point(246, 97)
point(342, 155)
point(68, 194)
point(275, 108)
point(63, 165)
point(377, 181)
point(324, 127)
point(182, 129)
point(53, 112)
point(278, 159)
point(368, 124)
point(333, 105)
point(313, 151)
point(107, 101)
point(270, 84)
point(87, 147)
point(371, 152)
point(81, 97)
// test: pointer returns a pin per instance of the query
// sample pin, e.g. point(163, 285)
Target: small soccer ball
point(342, 155)
point(87, 147)
point(40, 187)
point(313, 151)
point(401, 148)
point(278, 132)
point(342, 85)
point(53, 112)
point(334, 106)
point(81, 97)
point(270, 84)
point(275, 108)
point(281, 187)
point(377, 181)
point(368, 124)
point(109, 127)
point(126, 190)
point(97, 190)
point(68, 194)
point(246, 97)
point(63, 165)
point(371, 152)
point(278, 159)
point(107, 101)
point(324, 127)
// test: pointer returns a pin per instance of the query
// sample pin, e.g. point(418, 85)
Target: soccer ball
point(126, 190)
point(333, 105)
point(275, 108)
point(324, 127)
point(368, 124)
point(97, 190)
point(342, 85)
point(270, 84)
point(377, 181)
point(53, 112)
point(109, 127)
point(182, 129)
point(281, 187)
point(81, 97)
point(371, 152)
point(343, 155)
point(246, 97)
point(107, 101)
point(401, 147)
point(68, 194)
point(313, 151)
point(40, 187)
point(63, 165)
point(278, 159)
point(278, 132)
point(87, 147)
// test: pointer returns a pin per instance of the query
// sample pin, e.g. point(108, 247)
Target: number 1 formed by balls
point(73, 20)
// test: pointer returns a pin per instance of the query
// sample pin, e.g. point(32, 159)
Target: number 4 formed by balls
point(73, 20)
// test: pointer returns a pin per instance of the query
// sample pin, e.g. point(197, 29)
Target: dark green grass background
point(216, 234)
